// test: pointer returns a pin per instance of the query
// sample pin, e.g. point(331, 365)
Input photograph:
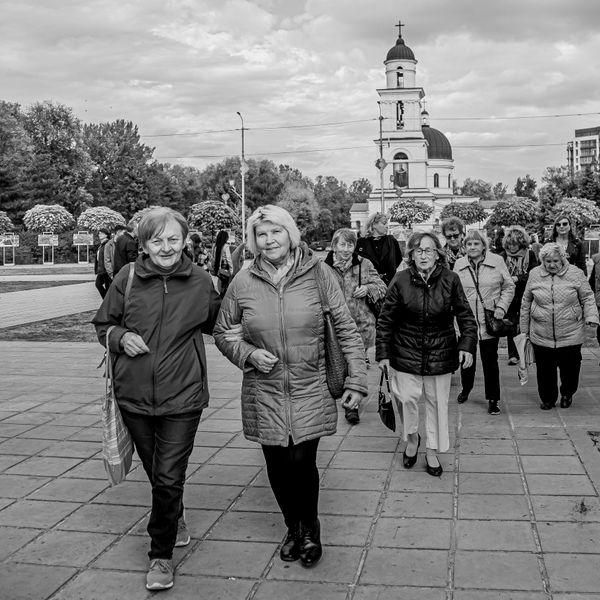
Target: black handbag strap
point(384, 375)
point(321, 287)
point(476, 286)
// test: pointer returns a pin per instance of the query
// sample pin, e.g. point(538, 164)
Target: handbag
point(385, 407)
point(494, 326)
point(373, 305)
point(336, 367)
point(117, 447)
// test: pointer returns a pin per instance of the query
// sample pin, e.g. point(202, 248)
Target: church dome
point(438, 146)
point(400, 51)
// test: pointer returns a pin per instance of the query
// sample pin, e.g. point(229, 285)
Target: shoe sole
point(312, 564)
point(182, 543)
point(159, 586)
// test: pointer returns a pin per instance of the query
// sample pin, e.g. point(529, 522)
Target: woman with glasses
point(564, 236)
point(453, 230)
point(487, 284)
point(417, 344)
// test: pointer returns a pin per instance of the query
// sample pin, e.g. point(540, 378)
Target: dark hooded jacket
point(415, 330)
point(170, 313)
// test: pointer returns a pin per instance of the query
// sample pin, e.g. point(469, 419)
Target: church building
point(415, 160)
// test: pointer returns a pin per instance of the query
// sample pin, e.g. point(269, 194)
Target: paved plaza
point(516, 514)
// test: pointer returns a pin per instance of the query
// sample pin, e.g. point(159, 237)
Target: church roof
point(438, 145)
point(400, 51)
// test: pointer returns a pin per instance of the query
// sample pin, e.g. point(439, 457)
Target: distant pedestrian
point(563, 234)
point(222, 265)
point(126, 248)
point(594, 282)
point(160, 371)
point(453, 230)
point(382, 249)
point(535, 245)
point(557, 302)
point(102, 278)
point(109, 255)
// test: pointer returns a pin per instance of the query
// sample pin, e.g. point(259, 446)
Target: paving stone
point(566, 508)
point(23, 447)
point(573, 572)
point(14, 538)
point(9, 430)
point(89, 469)
point(229, 558)
point(9, 460)
point(45, 466)
point(499, 595)
point(486, 446)
point(415, 504)
point(344, 530)
point(568, 465)
point(129, 492)
point(490, 483)
point(33, 582)
point(103, 518)
point(210, 496)
point(570, 537)
point(540, 433)
point(403, 532)
point(362, 460)
point(546, 447)
point(488, 463)
point(71, 490)
point(497, 570)
point(380, 592)
point(215, 439)
point(199, 521)
point(493, 506)
point(405, 567)
point(81, 420)
point(494, 535)
point(50, 432)
point(72, 449)
point(417, 480)
point(130, 553)
point(87, 434)
point(249, 526)
point(202, 454)
point(187, 587)
point(225, 474)
point(238, 456)
point(36, 513)
point(18, 486)
point(477, 430)
point(339, 502)
point(370, 444)
point(222, 425)
point(257, 498)
point(105, 585)
point(560, 485)
point(354, 479)
point(296, 590)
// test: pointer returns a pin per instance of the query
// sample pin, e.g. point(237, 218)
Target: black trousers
point(164, 444)
point(294, 479)
point(491, 374)
point(567, 360)
point(103, 282)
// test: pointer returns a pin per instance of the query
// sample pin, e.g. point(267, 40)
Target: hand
point(384, 364)
point(133, 344)
point(360, 292)
point(351, 399)
point(465, 359)
point(234, 334)
point(499, 313)
point(263, 360)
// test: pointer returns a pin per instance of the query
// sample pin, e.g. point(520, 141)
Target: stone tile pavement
point(516, 514)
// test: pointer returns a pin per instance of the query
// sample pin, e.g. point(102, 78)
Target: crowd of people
point(426, 312)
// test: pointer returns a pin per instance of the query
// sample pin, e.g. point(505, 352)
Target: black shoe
point(352, 416)
point(433, 471)
point(368, 361)
point(310, 544)
point(290, 551)
point(565, 401)
point(409, 461)
point(546, 406)
point(493, 407)
point(462, 398)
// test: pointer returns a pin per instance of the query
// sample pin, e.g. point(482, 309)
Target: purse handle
point(321, 288)
point(384, 374)
point(108, 371)
point(476, 287)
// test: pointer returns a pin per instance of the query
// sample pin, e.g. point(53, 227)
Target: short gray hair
point(553, 248)
point(346, 234)
point(272, 214)
point(517, 234)
point(154, 223)
point(475, 234)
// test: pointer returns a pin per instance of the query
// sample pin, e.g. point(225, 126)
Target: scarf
point(341, 264)
point(517, 262)
point(451, 257)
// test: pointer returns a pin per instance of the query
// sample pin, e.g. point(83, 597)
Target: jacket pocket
point(576, 312)
point(200, 365)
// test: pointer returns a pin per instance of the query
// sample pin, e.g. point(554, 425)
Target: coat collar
point(416, 278)
point(545, 273)
point(356, 260)
point(146, 269)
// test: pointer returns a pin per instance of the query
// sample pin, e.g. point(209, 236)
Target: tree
point(514, 212)
point(360, 189)
point(5, 223)
point(579, 210)
point(300, 202)
point(48, 217)
point(407, 211)
point(211, 216)
point(137, 216)
point(471, 212)
point(477, 187)
point(557, 185)
point(588, 185)
point(525, 187)
point(499, 191)
point(333, 195)
point(99, 217)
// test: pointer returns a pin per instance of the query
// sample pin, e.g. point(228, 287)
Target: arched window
point(436, 180)
point(449, 181)
point(400, 176)
point(399, 78)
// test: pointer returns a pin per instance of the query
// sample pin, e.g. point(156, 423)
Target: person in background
point(453, 230)
point(483, 273)
point(102, 277)
point(417, 343)
point(271, 326)
point(160, 374)
point(563, 234)
point(557, 302)
point(381, 249)
point(109, 255)
point(520, 260)
point(194, 248)
point(535, 245)
point(222, 265)
point(497, 246)
point(358, 279)
point(126, 248)
point(594, 282)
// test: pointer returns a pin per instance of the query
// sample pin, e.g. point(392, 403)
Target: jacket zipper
point(162, 318)
point(553, 322)
point(286, 394)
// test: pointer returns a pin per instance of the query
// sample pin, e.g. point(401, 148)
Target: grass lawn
point(17, 286)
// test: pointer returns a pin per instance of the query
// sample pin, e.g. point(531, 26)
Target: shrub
point(98, 217)
point(48, 217)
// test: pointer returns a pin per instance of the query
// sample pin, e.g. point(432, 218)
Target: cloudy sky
point(507, 82)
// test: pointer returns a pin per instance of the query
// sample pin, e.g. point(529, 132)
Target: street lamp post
point(243, 170)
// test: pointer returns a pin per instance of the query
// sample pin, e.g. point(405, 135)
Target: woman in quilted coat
point(271, 326)
point(557, 303)
point(359, 280)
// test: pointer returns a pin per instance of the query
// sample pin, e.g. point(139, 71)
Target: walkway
point(516, 513)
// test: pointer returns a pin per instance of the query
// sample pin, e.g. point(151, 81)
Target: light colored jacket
point(292, 400)
point(555, 308)
point(109, 255)
point(495, 285)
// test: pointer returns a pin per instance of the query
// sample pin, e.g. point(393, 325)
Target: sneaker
point(183, 534)
point(493, 407)
point(160, 574)
point(513, 360)
point(352, 416)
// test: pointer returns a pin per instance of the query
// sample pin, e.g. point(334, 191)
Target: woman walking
point(359, 282)
point(487, 284)
point(564, 236)
point(222, 265)
point(271, 326)
point(557, 302)
point(160, 377)
point(417, 344)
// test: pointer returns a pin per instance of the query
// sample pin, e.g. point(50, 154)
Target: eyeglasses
point(453, 236)
point(563, 224)
point(425, 251)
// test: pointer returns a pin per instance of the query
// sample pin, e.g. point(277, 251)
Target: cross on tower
point(400, 26)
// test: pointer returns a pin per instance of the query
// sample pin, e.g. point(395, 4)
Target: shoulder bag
point(385, 408)
point(336, 367)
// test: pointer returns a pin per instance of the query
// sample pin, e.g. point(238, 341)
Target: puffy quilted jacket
point(555, 308)
point(287, 320)
point(170, 313)
point(415, 330)
point(495, 286)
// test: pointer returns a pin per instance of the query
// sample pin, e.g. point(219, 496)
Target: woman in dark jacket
point(563, 234)
point(381, 249)
point(160, 370)
point(416, 342)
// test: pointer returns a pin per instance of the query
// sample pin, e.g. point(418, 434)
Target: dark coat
point(520, 283)
point(126, 251)
point(385, 262)
point(99, 265)
point(415, 330)
point(170, 313)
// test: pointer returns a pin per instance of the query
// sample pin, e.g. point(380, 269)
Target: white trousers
point(407, 390)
